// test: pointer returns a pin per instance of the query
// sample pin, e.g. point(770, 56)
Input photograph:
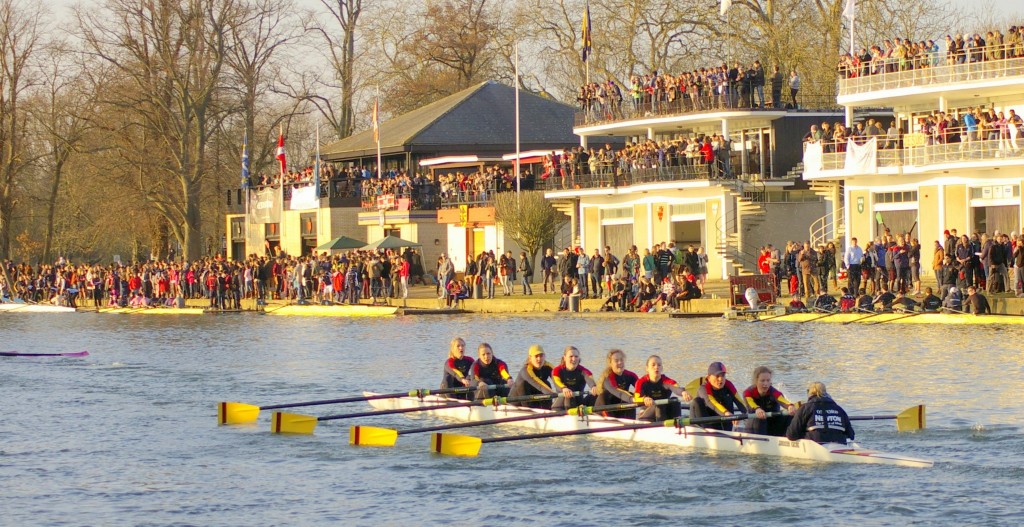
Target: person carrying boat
point(488, 371)
point(654, 387)
point(534, 379)
point(613, 385)
point(761, 397)
point(820, 419)
point(457, 368)
point(716, 396)
point(570, 378)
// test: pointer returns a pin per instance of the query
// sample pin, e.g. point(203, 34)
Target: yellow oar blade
point(285, 423)
point(372, 436)
point(911, 419)
point(455, 445)
point(694, 385)
point(236, 413)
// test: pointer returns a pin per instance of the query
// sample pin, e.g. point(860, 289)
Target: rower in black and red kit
point(489, 371)
point(716, 396)
point(457, 369)
point(614, 384)
point(575, 382)
point(654, 387)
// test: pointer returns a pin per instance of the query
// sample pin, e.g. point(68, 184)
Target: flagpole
point(518, 170)
point(376, 126)
point(316, 179)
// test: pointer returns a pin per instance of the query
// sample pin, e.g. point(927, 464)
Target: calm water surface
point(127, 436)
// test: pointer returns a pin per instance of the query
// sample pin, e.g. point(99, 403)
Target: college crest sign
point(860, 205)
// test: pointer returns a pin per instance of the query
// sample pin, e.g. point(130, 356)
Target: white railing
point(929, 76)
point(824, 229)
point(935, 154)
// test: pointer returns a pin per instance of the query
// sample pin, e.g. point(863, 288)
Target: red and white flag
point(376, 120)
point(280, 152)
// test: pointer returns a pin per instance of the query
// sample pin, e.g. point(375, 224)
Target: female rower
point(488, 371)
point(655, 386)
point(457, 368)
point(613, 385)
point(762, 397)
point(569, 376)
point(534, 379)
point(716, 396)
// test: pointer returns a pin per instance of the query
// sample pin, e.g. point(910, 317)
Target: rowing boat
point(900, 318)
point(26, 354)
point(333, 311)
point(151, 310)
point(693, 437)
point(18, 307)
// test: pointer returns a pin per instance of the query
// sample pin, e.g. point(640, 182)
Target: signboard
point(265, 206)
point(860, 205)
point(463, 215)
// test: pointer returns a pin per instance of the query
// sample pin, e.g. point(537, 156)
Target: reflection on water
point(127, 435)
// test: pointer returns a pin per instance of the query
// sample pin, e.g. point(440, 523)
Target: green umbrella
point(391, 242)
point(341, 243)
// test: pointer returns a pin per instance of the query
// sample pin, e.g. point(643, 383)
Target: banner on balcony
point(265, 206)
point(813, 161)
point(862, 159)
point(304, 198)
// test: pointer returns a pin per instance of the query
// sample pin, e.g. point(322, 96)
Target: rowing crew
point(658, 396)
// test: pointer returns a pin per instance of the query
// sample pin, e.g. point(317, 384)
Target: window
point(617, 213)
point(896, 197)
point(688, 208)
point(995, 192)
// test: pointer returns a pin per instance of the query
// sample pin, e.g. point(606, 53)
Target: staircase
point(569, 207)
point(750, 211)
point(796, 172)
point(832, 226)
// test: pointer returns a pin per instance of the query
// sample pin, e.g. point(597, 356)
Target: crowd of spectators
point(704, 88)
point(957, 126)
point(903, 54)
point(320, 278)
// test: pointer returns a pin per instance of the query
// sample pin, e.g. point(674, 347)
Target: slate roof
point(479, 118)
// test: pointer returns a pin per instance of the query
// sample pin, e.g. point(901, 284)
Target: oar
point(827, 314)
point(285, 423)
point(908, 420)
point(376, 436)
point(20, 354)
point(786, 314)
point(872, 314)
point(230, 413)
point(265, 312)
point(912, 314)
point(460, 445)
point(694, 385)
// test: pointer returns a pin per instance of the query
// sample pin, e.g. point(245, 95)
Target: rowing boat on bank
point(692, 437)
point(897, 318)
point(34, 308)
point(150, 310)
point(357, 310)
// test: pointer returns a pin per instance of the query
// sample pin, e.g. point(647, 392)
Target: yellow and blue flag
point(587, 43)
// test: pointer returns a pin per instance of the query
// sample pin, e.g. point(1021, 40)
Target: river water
point(128, 435)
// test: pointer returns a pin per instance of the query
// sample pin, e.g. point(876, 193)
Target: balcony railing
point(632, 109)
point(970, 151)
point(890, 74)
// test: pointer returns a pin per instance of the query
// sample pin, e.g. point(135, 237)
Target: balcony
point(888, 83)
point(924, 157)
point(706, 108)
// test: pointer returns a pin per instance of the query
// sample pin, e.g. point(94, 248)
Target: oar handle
point(871, 417)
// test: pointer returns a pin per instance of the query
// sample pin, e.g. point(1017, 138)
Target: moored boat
point(358, 310)
point(896, 318)
point(34, 308)
point(687, 437)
